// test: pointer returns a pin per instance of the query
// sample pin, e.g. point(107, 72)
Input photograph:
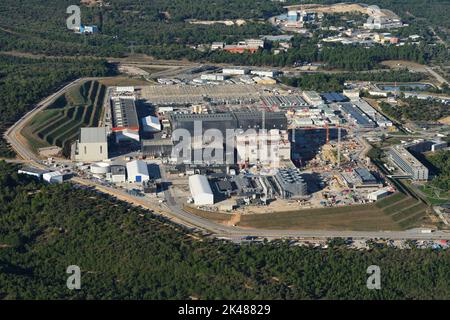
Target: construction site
point(294, 155)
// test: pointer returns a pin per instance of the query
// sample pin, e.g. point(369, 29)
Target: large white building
point(92, 145)
point(201, 190)
point(137, 171)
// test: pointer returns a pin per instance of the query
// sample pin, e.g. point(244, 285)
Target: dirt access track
point(341, 8)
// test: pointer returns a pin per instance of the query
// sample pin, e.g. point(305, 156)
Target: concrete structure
point(92, 145)
point(408, 163)
point(201, 190)
point(118, 174)
point(291, 184)
point(270, 148)
point(137, 171)
point(377, 195)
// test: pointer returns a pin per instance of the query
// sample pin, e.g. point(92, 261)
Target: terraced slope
point(59, 124)
point(396, 212)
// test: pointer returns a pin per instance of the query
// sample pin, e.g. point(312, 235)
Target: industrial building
point(156, 147)
point(364, 178)
point(56, 177)
point(100, 168)
point(313, 98)
point(151, 124)
point(249, 45)
point(214, 77)
point(290, 184)
point(408, 163)
point(137, 171)
point(201, 190)
point(270, 148)
point(284, 101)
point(331, 97)
point(356, 116)
point(32, 172)
point(92, 145)
point(230, 120)
point(125, 119)
point(235, 71)
point(117, 174)
point(377, 195)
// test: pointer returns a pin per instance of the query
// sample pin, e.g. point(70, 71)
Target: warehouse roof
point(137, 167)
point(199, 184)
point(124, 113)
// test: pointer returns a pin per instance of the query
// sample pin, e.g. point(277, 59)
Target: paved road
point(173, 210)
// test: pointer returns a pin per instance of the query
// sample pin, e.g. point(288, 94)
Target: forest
point(416, 109)
point(335, 82)
point(129, 253)
point(161, 29)
point(24, 82)
point(441, 162)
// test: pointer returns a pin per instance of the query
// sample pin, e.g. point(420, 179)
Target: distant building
point(214, 77)
point(312, 97)
point(249, 45)
point(92, 145)
point(87, 29)
point(217, 46)
point(201, 190)
point(235, 71)
point(408, 163)
point(264, 73)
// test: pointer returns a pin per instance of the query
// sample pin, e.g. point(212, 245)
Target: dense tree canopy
point(128, 253)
